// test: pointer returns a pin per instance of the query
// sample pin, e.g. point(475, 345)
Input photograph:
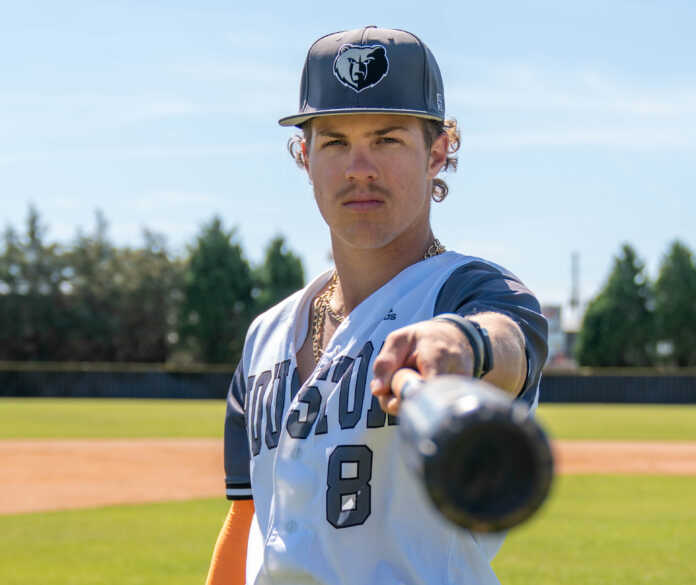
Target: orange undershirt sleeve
point(228, 565)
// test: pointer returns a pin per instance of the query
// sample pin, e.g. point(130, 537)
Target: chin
point(367, 239)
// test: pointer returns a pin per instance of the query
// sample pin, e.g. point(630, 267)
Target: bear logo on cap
point(361, 66)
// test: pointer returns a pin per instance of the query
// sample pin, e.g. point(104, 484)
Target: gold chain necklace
point(322, 304)
point(434, 249)
point(320, 307)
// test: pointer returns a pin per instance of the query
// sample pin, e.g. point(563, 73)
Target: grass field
point(654, 422)
point(154, 544)
point(596, 530)
point(607, 530)
point(45, 418)
point(107, 418)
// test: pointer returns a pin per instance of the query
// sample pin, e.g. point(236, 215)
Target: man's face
point(372, 177)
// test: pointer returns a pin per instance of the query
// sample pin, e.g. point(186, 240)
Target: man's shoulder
point(276, 315)
point(279, 311)
point(468, 264)
point(282, 315)
point(473, 277)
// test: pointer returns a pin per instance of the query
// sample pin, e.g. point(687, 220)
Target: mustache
point(370, 188)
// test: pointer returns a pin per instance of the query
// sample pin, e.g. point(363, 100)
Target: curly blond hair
point(431, 130)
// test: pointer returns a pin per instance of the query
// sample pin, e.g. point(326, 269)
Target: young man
point(309, 432)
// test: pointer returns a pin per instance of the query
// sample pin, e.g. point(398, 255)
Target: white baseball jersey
point(335, 504)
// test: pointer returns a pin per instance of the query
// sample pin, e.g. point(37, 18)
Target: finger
point(401, 377)
point(394, 355)
point(389, 404)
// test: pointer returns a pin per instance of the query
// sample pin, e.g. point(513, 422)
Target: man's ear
point(438, 155)
point(305, 160)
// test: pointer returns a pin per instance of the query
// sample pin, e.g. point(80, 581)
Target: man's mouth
point(363, 204)
point(357, 199)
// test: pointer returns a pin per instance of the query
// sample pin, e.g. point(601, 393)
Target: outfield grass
point(654, 422)
point(156, 544)
point(107, 418)
point(607, 530)
point(596, 530)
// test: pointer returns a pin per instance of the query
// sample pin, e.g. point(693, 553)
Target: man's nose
point(361, 167)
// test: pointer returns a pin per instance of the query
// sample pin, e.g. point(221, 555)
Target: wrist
point(478, 339)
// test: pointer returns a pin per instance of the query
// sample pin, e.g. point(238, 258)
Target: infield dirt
point(38, 475)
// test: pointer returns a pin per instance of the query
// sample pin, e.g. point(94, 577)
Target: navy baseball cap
point(369, 70)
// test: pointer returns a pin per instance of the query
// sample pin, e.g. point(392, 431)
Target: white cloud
point(524, 86)
point(156, 152)
point(635, 139)
point(540, 106)
point(247, 73)
point(156, 201)
point(79, 112)
point(252, 38)
point(501, 106)
point(10, 159)
point(25, 114)
point(161, 108)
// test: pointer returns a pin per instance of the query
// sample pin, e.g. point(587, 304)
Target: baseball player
point(320, 493)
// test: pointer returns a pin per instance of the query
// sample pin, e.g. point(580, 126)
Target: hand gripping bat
point(484, 461)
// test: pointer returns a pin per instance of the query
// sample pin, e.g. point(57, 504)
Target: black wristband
point(487, 348)
point(478, 340)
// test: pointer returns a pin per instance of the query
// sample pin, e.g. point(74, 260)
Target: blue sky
point(578, 123)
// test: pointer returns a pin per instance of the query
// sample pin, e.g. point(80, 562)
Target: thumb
point(394, 355)
point(403, 377)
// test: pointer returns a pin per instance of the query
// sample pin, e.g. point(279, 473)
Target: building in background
point(560, 342)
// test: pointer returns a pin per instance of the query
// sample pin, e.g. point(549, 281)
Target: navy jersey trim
point(236, 438)
point(239, 491)
point(234, 497)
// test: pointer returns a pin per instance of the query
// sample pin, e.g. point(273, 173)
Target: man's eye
point(336, 142)
point(388, 140)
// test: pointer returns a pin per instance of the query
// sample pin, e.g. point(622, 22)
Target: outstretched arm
point(439, 347)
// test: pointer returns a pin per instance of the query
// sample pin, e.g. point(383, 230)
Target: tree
point(618, 327)
point(280, 275)
point(148, 286)
point(121, 302)
point(93, 295)
point(31, 276)
point(11, 262)
point(675, 304)
point(94, 301)
point(217, 303)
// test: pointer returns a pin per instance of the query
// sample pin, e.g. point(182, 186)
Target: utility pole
point(575, 281)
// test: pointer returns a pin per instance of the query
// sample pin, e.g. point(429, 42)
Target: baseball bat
point(484, 461)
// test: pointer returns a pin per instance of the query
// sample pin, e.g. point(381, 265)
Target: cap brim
point(299, 119)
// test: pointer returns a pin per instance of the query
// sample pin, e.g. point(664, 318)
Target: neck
point(362, 271)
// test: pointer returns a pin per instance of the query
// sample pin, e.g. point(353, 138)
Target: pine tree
point(217, 303)
point(280, 275)
point(618, 327)
point(675, 305)
point(31, 275)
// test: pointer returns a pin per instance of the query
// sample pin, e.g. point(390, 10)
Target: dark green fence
point(158, 381)
point(620, 385)
point(113, 380)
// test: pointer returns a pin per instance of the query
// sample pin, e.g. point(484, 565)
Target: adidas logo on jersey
point(390, 316)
